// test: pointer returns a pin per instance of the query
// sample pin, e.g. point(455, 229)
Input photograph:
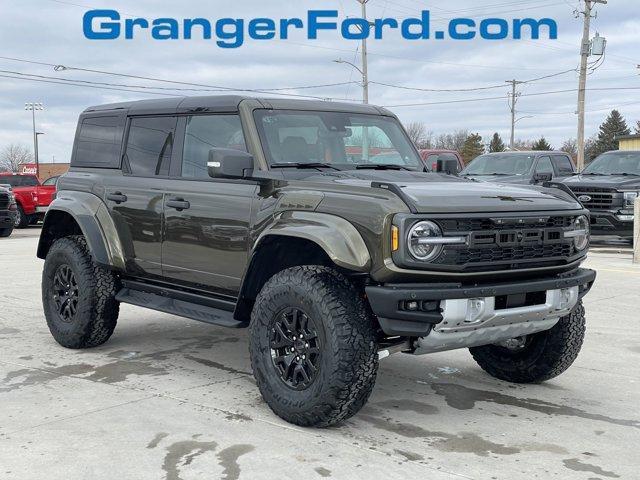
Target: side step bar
point(183, 304)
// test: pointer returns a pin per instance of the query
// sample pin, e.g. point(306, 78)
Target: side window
point(149, 145)
point(50, 181)
point(96, 145)
point(205, 132)
point(563, 165)
point(544, 165)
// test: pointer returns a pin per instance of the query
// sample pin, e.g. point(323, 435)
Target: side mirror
point(450, 166)
point(228, 163)
point(542, 177)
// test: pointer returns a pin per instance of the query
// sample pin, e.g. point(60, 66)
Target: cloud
point(51, 31)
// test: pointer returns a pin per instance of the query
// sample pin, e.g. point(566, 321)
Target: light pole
point(38, 158)
point(33, 106)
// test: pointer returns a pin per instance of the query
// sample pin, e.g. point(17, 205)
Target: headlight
point(424, 241)
point(630, 198)
point(580, 233)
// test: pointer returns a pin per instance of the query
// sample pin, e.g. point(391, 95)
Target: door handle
point(117, 197)
point(178, 203)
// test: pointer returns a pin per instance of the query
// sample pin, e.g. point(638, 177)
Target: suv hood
point(440, 193)
point(603, 181)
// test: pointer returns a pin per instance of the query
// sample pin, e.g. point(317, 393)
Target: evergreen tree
point(542, 144)
point(496, 145)
point(613, 126)
point(472, 147)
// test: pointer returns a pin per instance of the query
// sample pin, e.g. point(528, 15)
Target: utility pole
point(512, 105)
point(33, 106)
point(365, 66)
point(584, 54)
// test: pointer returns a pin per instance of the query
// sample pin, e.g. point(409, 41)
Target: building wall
point(47, 170)
point(630, 143)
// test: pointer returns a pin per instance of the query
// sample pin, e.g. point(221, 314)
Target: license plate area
point(516, 300)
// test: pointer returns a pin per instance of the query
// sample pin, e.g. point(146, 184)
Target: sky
point(50, 32)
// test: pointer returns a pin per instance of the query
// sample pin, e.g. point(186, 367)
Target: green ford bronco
point(317, 226)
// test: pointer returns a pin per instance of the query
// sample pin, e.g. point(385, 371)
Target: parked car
point(32, 198)
point(332, 264)
point(608, 187)
point(531, 167)
point(446, 161)
point(7, 211)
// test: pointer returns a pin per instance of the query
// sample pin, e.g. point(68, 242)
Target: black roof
point(231, 103)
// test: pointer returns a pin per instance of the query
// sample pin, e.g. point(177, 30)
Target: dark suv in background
point(7, 210)
point(608, 187)
point(530, 167)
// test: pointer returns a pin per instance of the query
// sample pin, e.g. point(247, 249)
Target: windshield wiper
point(625, 174)
point(500, 174)
point(381, 166)
point(303, 165)
point(599, 174)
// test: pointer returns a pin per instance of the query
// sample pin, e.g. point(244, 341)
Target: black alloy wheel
point(65, 293)
point(295, 348)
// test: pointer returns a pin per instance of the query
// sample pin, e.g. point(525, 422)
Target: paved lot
point(171, 398)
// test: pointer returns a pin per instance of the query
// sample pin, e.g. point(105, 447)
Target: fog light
point(475, 309)
point(625, 218)
point(411, 306)
point(565, 298)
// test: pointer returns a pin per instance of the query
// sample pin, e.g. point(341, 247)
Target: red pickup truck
point(32, 197)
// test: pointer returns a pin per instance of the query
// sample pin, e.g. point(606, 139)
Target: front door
point(206, 235)
point(135, 197)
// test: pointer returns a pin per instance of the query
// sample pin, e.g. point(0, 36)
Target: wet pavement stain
point(157, 439)
point(408, 406)
point(8, 331)
point(410, 456)
point(181, 454)
point(38, 377)
point(229, 460)
point(238, 417)
point(118, 371)
point(578, 466)
point(26, 357)
point(323, 472)
point(443, 441)
point(219, 366)
point(465, 398)
point(634, 349)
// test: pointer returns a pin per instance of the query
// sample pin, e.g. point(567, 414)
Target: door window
point(544, 165)
point(205, 132)
point(563, 164)
point(50, 181)
point(149, 145)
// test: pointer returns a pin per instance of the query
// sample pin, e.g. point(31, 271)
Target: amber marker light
point(394, 239)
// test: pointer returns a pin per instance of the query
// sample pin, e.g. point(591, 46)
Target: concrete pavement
point(168, 398)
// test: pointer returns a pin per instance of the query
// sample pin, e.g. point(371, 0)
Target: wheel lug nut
point(306, 345)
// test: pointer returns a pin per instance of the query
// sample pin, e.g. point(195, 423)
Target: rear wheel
point(22, 219)
point(78, 295)
point(537, 357)
point(312, 345)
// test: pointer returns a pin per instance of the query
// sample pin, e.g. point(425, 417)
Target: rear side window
point(98, 144)
point(149, 145)
point(204, 133)
point(563, 164)
point(19, 180)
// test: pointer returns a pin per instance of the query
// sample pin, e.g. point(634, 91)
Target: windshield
point(500, 164)
point(19, 180)
point(341, 140)
point(615, 162)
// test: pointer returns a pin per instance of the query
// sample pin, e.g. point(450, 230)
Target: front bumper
point(434, 304)
point(608, 223)
point(41, 210)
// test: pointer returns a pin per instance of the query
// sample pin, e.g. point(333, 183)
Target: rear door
point(135, 198)
point(206, 234)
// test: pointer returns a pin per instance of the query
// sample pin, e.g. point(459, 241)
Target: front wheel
point(78, 295)
point(312, 346)
point(537, 357)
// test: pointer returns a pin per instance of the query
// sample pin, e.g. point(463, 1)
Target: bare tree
point(520, 144)
point(571, 147)
point(419, 135)
point(452, 141)
point(14, 155)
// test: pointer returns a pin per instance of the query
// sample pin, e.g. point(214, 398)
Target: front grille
point(499, 243)
point(4, 201)
point(599, 198)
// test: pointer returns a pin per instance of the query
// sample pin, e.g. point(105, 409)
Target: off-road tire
point(545, 355)
point(22, 219)
point(6, 232)
point(97, 311)
point(349, 360)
